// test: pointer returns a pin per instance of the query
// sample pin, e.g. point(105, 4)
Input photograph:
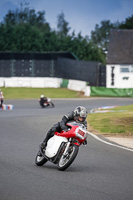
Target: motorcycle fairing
point(53, 145)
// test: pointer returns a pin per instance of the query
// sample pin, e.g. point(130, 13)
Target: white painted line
point(97, 138)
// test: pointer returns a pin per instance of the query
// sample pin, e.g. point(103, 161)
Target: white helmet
point(80, 114)
point(42, 96)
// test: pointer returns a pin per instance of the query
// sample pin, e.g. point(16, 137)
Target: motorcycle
point(48, 103)
point(63, 147)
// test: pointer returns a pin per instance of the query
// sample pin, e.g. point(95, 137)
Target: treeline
point(25, 30)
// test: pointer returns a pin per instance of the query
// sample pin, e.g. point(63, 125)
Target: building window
point(126, 68)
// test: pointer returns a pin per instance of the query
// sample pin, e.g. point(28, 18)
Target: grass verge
point(33, 93)
point(117, 122)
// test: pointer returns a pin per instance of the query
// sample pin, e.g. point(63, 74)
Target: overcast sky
point(82, 15)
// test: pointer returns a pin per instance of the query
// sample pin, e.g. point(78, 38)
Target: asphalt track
point(100, 171)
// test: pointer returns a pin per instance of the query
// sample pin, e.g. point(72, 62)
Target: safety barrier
point(49, 82)
point(111, 92)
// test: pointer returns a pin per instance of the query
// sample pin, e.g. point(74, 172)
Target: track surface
point(100, 171)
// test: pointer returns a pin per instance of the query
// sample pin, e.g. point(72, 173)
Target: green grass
point(116, 123)
point(33, 93)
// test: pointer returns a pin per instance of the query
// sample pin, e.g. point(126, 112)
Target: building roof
point(37, 56)
point(120, 48)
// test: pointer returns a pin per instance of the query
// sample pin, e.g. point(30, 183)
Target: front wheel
point(40, 160)
point(66, 160)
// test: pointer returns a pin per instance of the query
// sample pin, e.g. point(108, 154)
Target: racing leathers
point(42, 101)
point(60, 126)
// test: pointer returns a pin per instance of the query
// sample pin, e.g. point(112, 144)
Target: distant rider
point(79, 115)
point(1, 98)
point(43, 100)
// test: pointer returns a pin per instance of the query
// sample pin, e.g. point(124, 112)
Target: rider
point(43, 100)
point(1, 98)
point(79, 115)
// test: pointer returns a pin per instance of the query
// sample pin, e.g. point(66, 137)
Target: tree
point(25, 15)
point(100, 36)
point(127, 24)
point(24, 30)
point(62, 25)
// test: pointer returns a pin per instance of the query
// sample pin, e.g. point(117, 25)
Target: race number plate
point(81, 133)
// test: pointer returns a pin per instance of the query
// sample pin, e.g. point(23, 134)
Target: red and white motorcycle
point(63, 147)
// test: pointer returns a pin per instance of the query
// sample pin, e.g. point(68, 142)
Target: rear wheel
point(66, 160)
point(51, 105)
point(40, 159)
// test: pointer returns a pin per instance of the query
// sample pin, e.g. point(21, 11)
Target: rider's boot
point(44, 143)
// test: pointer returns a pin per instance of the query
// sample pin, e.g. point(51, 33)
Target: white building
point(119, 70)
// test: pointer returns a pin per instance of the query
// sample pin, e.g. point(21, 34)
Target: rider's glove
point(85, 142)
point(64, 128)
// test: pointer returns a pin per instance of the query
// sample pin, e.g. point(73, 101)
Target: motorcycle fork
point(67, 147)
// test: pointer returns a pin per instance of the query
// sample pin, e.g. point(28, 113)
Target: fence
point(60, 65)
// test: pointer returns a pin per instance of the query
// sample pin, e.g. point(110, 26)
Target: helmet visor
point(81, 119)
point(83, 114)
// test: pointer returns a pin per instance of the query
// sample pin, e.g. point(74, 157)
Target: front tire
point(66, 161)
point(40, 160)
